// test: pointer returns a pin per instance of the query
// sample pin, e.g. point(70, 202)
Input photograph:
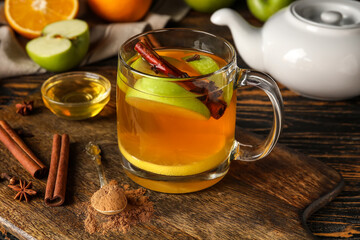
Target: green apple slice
point(142, 66)
point(165, 97)
point(63, 45)
point(206, 65)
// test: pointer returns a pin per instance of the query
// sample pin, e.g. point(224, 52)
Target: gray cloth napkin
point(105, 39)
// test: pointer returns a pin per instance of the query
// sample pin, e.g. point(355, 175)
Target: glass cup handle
point(268, 85)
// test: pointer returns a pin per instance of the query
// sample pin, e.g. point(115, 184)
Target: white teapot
point(311, 47)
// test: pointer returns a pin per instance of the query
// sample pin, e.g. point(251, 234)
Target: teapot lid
point(337, 14)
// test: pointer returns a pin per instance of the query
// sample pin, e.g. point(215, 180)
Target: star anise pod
point(23, 189)
point(24, 108)
point(193, 58)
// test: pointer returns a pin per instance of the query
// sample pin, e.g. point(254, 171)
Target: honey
point(77, 95)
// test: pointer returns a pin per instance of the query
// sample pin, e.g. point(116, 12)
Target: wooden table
point(328, 131)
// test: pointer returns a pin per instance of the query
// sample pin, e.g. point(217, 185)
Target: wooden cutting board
point(267, 199)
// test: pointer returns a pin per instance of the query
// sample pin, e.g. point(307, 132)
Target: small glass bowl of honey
point(76, 95)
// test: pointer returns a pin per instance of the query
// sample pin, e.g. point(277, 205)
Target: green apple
point(263, 9)
point(208, 6)
point(158, 95)
point(62, 45)
point(206, 65)
point(142, 66)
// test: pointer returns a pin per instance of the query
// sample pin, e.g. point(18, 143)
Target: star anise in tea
point(24, 190)
point(193, 58)
point(24, 108)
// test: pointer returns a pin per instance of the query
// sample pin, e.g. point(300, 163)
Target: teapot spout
point(246, 37)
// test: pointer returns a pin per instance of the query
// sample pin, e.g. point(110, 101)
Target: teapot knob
point(331, 17)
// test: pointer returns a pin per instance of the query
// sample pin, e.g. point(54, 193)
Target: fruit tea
point(169, 130)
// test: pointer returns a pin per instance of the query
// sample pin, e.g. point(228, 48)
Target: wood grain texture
point(267, 199)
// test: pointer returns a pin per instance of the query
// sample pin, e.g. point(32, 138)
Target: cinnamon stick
point(20, 151)
point(156, 61)
point(56, 183)
point(209, 92)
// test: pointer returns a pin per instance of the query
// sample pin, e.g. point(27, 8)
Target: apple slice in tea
point(206, 65)
point(202, 64)
point(62, 46)
point(181, 96)
point(165, 97)
point(161, 95)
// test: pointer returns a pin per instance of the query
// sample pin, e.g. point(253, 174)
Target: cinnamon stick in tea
point(21, 151)
point(209, 95)
point(56, 183)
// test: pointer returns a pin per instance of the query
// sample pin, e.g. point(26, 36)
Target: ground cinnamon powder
point(138, 210)
point(109, 197)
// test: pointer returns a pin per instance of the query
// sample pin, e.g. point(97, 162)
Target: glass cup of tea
point(176, 109)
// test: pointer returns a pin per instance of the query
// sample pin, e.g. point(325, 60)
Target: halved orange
point(29, 17)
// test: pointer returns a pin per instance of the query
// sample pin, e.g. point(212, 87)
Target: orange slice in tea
point(162, 96)
point(215, 155)
point(29, 17)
